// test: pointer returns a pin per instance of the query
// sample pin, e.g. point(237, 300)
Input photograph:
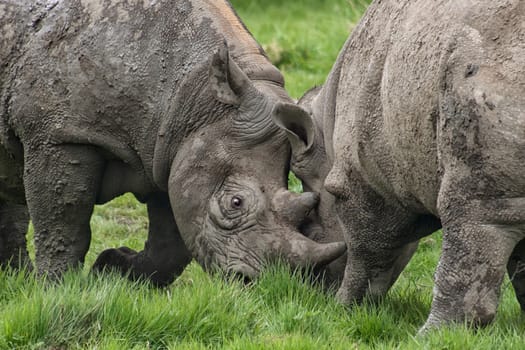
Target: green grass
point(301, 37)
point(281, 310)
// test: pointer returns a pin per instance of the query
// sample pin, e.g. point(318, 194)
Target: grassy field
point(281, 310)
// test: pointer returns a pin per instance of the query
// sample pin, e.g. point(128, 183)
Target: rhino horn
point(294, 207)
point(301, 251)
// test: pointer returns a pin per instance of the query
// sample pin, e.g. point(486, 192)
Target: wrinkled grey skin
point(170, 100)
point(423, 122)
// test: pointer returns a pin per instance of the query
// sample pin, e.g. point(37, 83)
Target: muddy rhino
point(169, 100)
point(422, 123)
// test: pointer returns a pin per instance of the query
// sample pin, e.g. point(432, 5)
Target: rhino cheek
point(194, 174)
point(187, 207)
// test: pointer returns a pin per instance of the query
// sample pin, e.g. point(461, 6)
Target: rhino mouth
point(245, 274)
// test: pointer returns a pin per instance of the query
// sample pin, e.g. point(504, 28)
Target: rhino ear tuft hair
point(298, 125)
point(227, 81)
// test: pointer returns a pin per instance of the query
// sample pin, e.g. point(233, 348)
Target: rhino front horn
point(302, 251)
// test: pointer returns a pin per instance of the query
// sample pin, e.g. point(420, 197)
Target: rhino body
point(169, 100)
point(421, 125)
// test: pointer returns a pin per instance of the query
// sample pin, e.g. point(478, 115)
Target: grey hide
point(421, 124)
point(169, 100)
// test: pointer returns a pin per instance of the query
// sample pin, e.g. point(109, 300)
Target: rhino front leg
point(371, 272)
point(14, 220)
point(164, 256)
point(61, 184)
point(381, 239)
point(479, 237)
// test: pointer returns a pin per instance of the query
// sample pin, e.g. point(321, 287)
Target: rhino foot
point(135, 266)
point(119, 259)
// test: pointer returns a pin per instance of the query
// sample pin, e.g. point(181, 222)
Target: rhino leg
point(14, 220)
point(481, 200)
point(516, 270)
point(381, 240)
point(164, 256)
point(479, 237)
point(61, 184)
point(373, 274)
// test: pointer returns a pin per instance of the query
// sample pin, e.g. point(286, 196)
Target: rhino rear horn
point(228, 82)
point(294, 207)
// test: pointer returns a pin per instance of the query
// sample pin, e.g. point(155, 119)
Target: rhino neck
point(243, 48)
point(192, 106)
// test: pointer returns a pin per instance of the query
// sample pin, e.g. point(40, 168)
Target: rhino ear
point(298, 125)
point(228, 82)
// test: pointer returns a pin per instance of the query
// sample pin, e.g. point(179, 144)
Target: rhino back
point(482, 125)
point(389, 101)
point(105, 72)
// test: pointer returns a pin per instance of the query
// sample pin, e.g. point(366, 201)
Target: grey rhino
point(169, 100)
point(421, 122)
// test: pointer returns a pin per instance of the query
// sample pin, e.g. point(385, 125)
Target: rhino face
point(227, 183)
point(311, 164)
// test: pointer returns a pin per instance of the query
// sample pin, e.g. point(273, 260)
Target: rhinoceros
point(421, 123)
point(169, 100)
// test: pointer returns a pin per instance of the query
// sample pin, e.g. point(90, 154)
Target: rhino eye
point(236, 202)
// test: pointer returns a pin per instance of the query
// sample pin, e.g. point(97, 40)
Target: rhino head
point(227, 179)
point(311, 164)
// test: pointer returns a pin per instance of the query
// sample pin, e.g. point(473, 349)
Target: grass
point(282, 309)
point(301, 37)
